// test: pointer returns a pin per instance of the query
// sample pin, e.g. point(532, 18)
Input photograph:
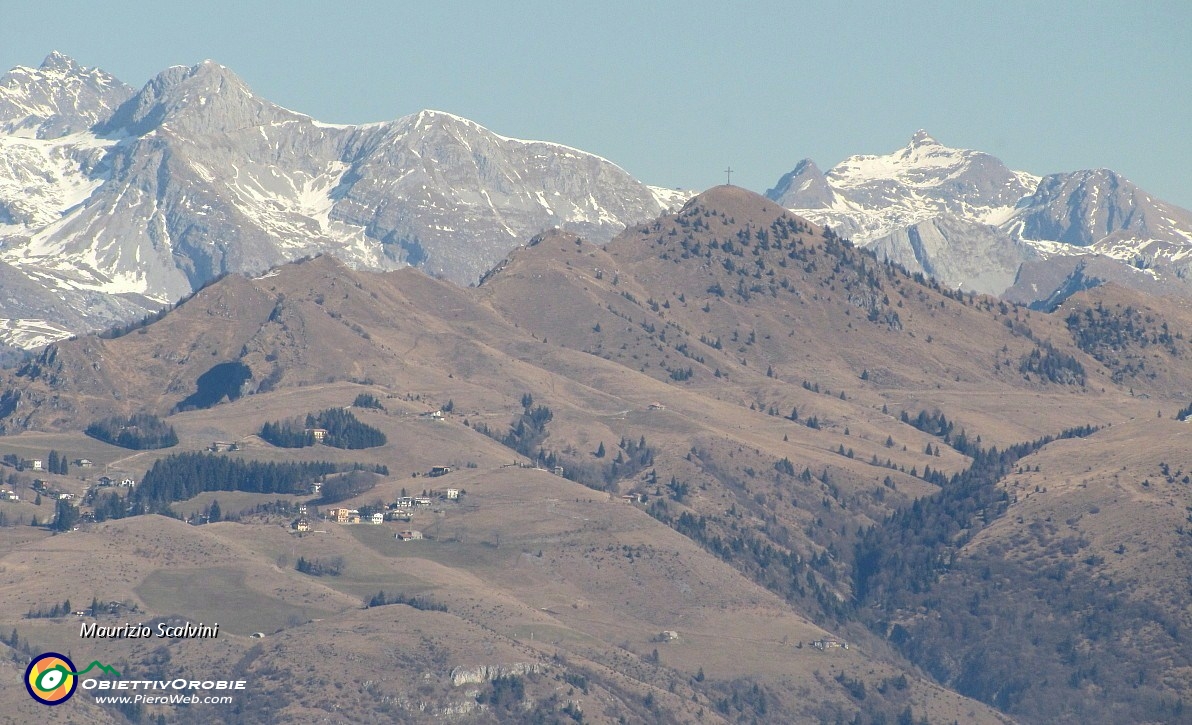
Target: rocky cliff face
point(487, 673)
point(1087, 208)
point(970, 255)
point(466, 196)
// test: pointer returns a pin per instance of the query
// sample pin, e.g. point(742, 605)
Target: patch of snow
point(31, 334)
point(671, 199)
point(44, 179)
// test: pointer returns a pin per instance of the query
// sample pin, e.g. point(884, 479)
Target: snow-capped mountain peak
point(57, 99)
point(143, 196)
point(922, 138)
point(199, 99)
point(61, 63)
point(805, 185)
point(866, 197)
point(963, 216)
point(927, 165)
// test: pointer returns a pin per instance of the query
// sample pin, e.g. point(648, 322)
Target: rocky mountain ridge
point(115, 202)
point(118, 202)
point(965, 218)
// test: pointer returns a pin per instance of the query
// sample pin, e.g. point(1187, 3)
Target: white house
point(377, 518)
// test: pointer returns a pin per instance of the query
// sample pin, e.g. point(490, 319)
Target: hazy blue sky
point(674, 92)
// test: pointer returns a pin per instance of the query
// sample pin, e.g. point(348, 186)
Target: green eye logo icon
point(51, 679)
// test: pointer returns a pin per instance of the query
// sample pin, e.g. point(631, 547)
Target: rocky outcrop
point(969, 255)
point(487, 673)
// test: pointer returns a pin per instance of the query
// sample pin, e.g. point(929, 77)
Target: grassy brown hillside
point(1141, 340)
point(766, 437)
point(566, 590)
point(767, 299)
point(1079, 588)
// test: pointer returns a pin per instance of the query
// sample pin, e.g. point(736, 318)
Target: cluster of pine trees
point(506, 697)
point(902, 556)
point(1184, 412)
point(318, 567)
point(344, 430)
point(139, 432)
point(527, 431)
point(632, 458)
point(110, 505)
point(184, 475)
point(748, 701)
point(1053, 365)
point(57, 463)
point(937, 424)
point(426, 605)
point(779, 570)
point(1101, 331)
point(66, 515)
point(118, 331)
point(1119, 337)
point(50, 612)
point(367, 400)
point(339, 488)
point(287, 434)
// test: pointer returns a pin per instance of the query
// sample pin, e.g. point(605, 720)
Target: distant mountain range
point(966, 219)
point(114, 202)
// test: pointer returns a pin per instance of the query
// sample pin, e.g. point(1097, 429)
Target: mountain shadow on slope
point(225, 380)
